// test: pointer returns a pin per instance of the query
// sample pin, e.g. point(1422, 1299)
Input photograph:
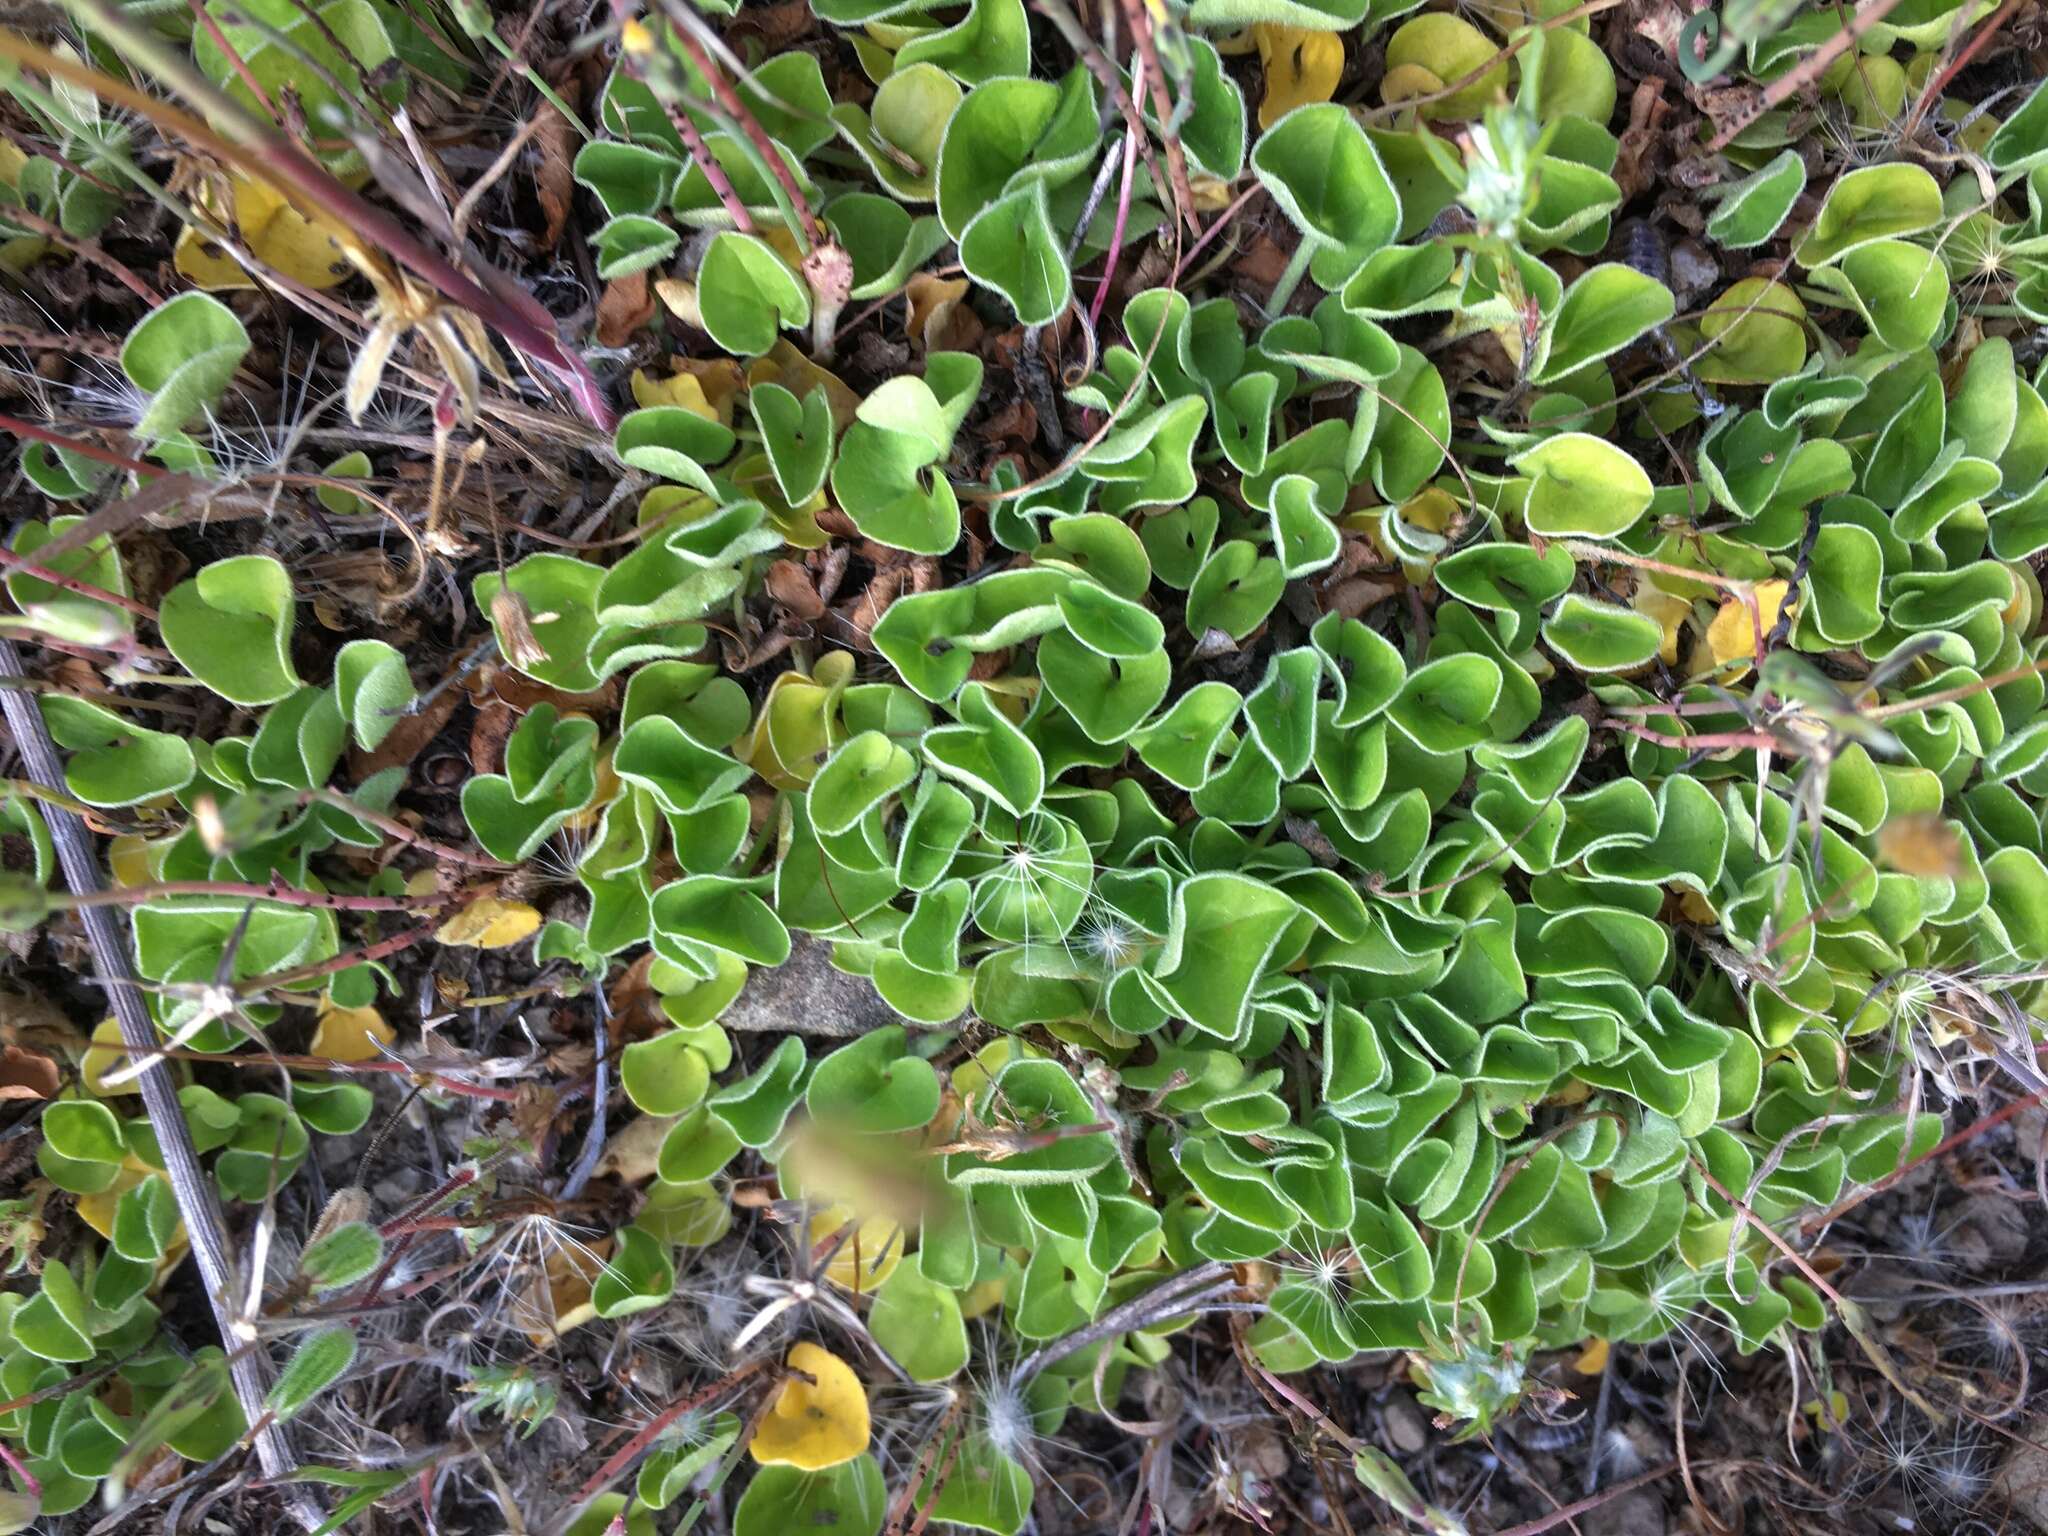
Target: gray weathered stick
point(250, 1368)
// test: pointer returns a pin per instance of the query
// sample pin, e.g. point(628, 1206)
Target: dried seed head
point(514, 621)
point(349, 1203)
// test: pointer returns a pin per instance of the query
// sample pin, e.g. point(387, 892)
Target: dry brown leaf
point(27, 1074)
point(936, 312)
point(29, 1019)
point(625, 306)
point(407, 739)
point(634, 1152)
point(790, 585)
point(488, 734)
point(553, 181)
point(787, 366)
point(1646, 111)
point(524, 693)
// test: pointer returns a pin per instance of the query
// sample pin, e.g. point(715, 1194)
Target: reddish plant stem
point(28, 1479)
point(1162, 108)
point(1222, 220)
point(340, 962)
point(1938, 82)
point(1808, 69)
point(88, 251)
point(622, 1457)
point(714, 173)
point(16, 427)
point(1761, 741)
point(234, 57)
point(1852, 1316)
point(1586, 1506)
point(398, 829)
point(1968, 1133)
point(28, 567)
point(1116, 235)
point(736, 109)
point(453, 1185)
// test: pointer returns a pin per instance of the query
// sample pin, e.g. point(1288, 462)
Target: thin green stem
point(1297, 269)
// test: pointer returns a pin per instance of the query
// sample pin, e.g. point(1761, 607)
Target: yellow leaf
point(304, 248)
point(348, 1034)
point(973, 1074)
point(1404, 82)
point(608, 787)
point(1669, 610)
point(491, 923)
point(1697, 909)
point(1592, 1359)
point(681, 299)
point(787, 366)
point(128, 860)
point(979, 1300)
point(97, 1210)
point(818, 1423)
point(683, 388)
point(1302, 67)
point(1732, 635)
point(1921, 844)
point(792, 736)
point(784, 244)
point(870, 1253)
point(101, 1059)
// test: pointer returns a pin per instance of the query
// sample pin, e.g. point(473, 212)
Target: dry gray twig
point(197, 1204)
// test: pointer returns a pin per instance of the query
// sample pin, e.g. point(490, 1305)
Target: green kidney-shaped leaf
point(373, 687)
point(666, 1075)
point(1899, 289)
point(183, 354)
point(1608, 307)
point(1325, 174)
point(1585, 487)
point(849, 1499)
point(918, 1322)
point(874, 1085)
point(230, 626)
point(1223, 932)
point(797, 437)
point(638, 1276)
point(1751, 209)
point(1601, 637)
point(113, 762)
point(1878, 202)
point(747, 294)
point(1012, 247)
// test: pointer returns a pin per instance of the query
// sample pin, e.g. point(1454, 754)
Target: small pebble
point(1407, 1429)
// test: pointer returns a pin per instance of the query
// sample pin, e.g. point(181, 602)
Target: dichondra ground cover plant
point(804, 746)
